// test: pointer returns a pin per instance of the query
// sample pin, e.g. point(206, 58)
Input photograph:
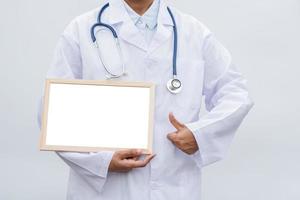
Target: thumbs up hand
point(182, 138)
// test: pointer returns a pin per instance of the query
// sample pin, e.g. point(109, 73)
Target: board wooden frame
point(44, 147)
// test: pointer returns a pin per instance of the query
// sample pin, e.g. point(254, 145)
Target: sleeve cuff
point(92, 167)
point(88, 163)
point(197, 157)
point(101, 168)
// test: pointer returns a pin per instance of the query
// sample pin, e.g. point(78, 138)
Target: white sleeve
point(227, 102)
point(92, 167)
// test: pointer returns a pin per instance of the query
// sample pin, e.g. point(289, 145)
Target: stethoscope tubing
point(175, 43)
point(99, 23)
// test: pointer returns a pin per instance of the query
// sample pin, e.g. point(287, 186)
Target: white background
point(98, 116)
point(264, 38)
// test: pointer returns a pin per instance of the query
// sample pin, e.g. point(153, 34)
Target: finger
point(143, 163)
point(149, 158)
point(140, 163)
point(131, 158)
point(130, 153)
point(172, 137)
point(178, 125)
point(134, 158)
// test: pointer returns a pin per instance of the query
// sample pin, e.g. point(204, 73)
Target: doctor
point(183, 142)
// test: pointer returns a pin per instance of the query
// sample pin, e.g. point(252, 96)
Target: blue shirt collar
point(149, 17)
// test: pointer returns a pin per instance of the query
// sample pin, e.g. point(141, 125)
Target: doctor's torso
point(172, 174)
point(149, 63)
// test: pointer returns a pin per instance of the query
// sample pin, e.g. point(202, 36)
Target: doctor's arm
point(92, 167)
point(227, 101)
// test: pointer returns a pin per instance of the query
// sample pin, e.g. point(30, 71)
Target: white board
point(91, 116)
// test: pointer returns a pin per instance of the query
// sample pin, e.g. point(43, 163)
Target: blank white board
point(91, 116)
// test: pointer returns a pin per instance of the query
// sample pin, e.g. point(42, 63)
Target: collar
point(117, 13)
point(149, 17)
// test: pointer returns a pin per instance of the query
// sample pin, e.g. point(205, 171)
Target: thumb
point(178, 125)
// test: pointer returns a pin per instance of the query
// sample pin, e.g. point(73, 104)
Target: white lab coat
point(205, 68)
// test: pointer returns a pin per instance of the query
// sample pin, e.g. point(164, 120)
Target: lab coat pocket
point(191, 74)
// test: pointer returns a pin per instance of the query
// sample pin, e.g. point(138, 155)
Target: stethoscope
point(174, 85)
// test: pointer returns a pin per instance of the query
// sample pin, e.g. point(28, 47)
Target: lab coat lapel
point(164, 28)
point(130, 33)
point(127, 31)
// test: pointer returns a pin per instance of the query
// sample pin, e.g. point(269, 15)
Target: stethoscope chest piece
point(174, 85)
